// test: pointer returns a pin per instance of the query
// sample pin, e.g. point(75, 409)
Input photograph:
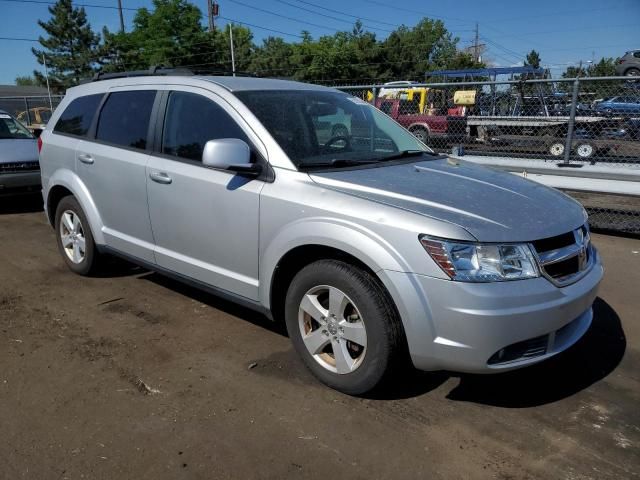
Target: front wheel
point(343, 326)
point(74, 237)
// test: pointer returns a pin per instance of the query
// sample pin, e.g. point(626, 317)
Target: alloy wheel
point(332, 329)
point(72, 236)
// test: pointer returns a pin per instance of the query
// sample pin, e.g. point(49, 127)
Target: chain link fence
point(33, 112)
point(559, 123)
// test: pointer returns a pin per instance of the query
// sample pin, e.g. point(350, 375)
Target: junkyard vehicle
point(629, 64)
point(368, 245)
point(19, 167)
point(621, 105)
point(430, 129)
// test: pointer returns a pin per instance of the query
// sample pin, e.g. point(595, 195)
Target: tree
point(26, 81)
point(71, 47)
point(410, 52)
point(533, 59)
point(170, 35)
point(273, 58)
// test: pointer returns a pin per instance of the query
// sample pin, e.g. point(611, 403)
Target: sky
point(563, 32)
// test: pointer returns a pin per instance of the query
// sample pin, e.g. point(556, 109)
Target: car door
point(112, 164)
point(205, 221)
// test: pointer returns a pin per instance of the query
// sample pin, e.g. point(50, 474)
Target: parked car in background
point(629, 64)
point(369, 246)
point(434, 130)
point(621, 105)
point(19, 167)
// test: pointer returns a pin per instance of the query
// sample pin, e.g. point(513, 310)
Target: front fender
point(69, 180)
point(359, 242)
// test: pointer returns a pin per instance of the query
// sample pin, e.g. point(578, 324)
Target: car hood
point(492, 205)
point(18, 150)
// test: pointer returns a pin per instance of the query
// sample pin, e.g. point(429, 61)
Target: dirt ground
point(132, 375)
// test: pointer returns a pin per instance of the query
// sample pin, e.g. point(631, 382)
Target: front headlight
point(478, 262)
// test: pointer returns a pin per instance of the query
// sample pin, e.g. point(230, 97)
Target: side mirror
point(230, 154)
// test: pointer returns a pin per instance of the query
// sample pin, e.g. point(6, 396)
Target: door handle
point(85, 158)
point(160, 177)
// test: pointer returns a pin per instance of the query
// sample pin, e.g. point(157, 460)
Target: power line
point(283, 16)
point(332, 17)
point(261, 28)
point(397, 7)
point(359, 17)
point(84, 5)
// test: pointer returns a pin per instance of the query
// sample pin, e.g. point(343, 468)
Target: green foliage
point(533, 59)
point(606, 67)
point(172, 34)
point(71, 47)
point(26, 81)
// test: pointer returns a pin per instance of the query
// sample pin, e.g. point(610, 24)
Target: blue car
point(622, 105)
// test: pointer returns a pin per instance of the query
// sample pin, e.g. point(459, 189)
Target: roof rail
point(160, 70)
point(155, 70)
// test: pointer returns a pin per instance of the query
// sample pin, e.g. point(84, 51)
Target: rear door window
point(77, 117)
point(192, 120)
point(124, 118)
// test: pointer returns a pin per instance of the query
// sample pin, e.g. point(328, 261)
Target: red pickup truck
point(434, 130)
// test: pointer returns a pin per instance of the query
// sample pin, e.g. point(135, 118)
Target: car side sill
point(224, 294)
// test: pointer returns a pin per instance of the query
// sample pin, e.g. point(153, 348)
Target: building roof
point(21, 91)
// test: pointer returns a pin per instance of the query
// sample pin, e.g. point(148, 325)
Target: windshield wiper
point(406, 154)
point(337, 162)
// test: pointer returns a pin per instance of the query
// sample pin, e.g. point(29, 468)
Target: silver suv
point(368, 245)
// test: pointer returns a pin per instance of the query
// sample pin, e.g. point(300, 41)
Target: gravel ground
point(132, 375)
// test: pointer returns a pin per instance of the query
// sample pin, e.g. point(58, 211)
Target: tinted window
point(124, 119)
point(191, 121)
point(77, 117)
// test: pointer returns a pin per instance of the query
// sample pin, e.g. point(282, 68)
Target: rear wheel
point(74, 237)
point(421, 134)
point(556, 149)
point(343, 326)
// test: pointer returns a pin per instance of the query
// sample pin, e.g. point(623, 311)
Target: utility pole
point(213, 10)
point(210, 15)
point(476, 45)
point(121, 17)
point(233, 58)
point(46, 75)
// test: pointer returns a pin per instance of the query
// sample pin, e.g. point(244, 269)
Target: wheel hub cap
point(332, 329)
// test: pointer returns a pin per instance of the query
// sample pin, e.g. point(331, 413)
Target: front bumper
point(20, 181)
point(464, 327)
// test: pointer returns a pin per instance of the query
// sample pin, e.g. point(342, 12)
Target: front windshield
point(320, 128)
point(12, 129)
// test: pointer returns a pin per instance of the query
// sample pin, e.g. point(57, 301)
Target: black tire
point(421, 134)
point(386, 345)
point(90, 261)
point(633, 72)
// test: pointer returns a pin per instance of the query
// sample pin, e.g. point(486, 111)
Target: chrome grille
point(565, 258)
point(15, 167)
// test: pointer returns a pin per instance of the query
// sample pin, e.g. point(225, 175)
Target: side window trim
point(91, 135)
point(162, 102)
point(95, 116)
